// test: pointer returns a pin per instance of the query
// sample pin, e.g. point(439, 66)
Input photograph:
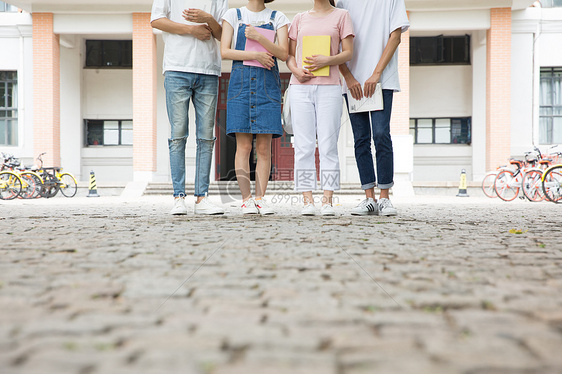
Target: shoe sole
point(209, 214)
point(365, 214)
point(388, 214)
point(179, 214)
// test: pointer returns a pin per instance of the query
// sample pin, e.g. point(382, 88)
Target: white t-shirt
point(185, 52)
point(373, 22)
point(254, 19)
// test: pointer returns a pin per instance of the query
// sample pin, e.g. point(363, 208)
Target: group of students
point(364, 36)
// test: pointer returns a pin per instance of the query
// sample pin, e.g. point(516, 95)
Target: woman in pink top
point(316, 101)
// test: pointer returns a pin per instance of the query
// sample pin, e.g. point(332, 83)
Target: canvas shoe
point(206, 207)
point(179, 207)
point(308, 210)
point(366, 207)
point(386, 208)
point(249, 207)
point(327, 210)
point(263, 207)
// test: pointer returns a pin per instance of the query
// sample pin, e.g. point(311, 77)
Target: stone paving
point(105, 285)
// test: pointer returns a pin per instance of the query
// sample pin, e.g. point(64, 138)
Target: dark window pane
point(2, 94)
point(440, 50)
point(109, 53)
point(95, 132)
point(460, 131)
point(127, 53)
point(94, 53)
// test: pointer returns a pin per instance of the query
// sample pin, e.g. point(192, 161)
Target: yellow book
point(316, 45)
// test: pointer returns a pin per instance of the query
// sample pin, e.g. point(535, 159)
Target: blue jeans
point(379, 123)
point(203, 90)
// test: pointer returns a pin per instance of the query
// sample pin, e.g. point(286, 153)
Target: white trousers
point(316, 112)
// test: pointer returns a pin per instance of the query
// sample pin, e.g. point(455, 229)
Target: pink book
point(254, 46)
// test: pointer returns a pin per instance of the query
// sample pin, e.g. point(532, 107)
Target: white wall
point(107, 94)
point(17, 55)
point(71, 124)
point(550, 55)
point(479, 67)
point(521, 93)
point(441, 91)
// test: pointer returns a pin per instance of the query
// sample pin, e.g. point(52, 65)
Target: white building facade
point(82, 81)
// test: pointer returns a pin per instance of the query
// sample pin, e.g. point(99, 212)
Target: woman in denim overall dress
point(254, 94)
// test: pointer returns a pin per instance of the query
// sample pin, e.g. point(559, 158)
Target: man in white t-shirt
point(378, 26)
point(192, 66)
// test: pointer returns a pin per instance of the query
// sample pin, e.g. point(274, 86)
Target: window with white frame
point(7, 7)
point(550, 121)
point(8, 108)
point(441, 130)
point(109, 132)
point(550, 3)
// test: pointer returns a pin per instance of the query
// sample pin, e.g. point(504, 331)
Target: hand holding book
point(196, 12)
point(315, 52)
point(264, 59)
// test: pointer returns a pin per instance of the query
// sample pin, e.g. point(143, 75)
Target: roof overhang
point(128, 6)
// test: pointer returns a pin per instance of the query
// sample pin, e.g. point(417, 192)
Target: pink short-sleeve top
point(337, 24)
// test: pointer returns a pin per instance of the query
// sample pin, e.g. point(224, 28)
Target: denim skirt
point(254, 101)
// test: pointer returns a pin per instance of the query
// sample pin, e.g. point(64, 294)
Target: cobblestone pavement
point(104, 285)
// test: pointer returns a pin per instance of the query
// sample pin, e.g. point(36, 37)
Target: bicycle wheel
point(507, 185)
point(10, 185)
point(31, 185)
point(552, 184)
point(488, 184)
point(50, 186)
point(68, 185)
point(532, 185)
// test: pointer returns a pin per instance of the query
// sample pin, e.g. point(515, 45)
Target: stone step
point(277, 187)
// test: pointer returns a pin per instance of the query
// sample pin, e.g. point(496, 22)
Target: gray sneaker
point(386, 208)
point(366, 207)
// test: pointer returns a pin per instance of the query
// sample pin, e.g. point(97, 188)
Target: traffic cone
point(462, 185)
point(93, 186)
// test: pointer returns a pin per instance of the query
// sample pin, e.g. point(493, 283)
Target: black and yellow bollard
point(462, 185)
point(93, 186)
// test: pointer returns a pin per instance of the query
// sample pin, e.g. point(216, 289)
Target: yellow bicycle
point(552, 183)
point(10, 185)
point(54, 180)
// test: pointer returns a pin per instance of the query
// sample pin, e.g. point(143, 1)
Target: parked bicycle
point(524, 176)
point(54, 180)
point(32, 183)
point(552, 179)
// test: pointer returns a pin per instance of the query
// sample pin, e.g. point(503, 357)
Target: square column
point(400, 121)
point(144, 98)
point(402, 141)
point(46, 89)
point(498, 88)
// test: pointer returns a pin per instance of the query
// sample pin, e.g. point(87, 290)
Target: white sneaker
point(179, 206)
point(366, 207)
point(327, 210)
point(308, 210)
point(386, 208)
point(249, 207)
point(263, 207)
point(206, 207)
